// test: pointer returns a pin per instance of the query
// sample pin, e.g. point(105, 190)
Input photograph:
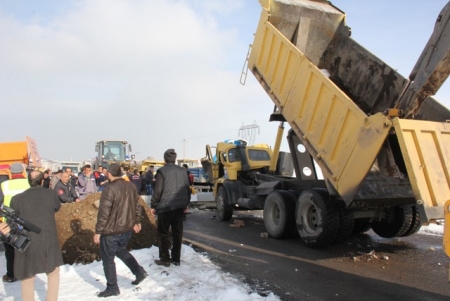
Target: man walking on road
point(170, 198)
point(118, 215)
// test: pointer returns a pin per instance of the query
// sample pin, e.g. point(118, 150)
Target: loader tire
point(224, 209)
point(416, 223)
point(317, 220)
point(396, 223)
point(279, 214)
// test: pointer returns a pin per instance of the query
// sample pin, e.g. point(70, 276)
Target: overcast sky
point(157, 72)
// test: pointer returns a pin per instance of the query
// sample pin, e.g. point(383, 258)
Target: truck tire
point(279, 214)
point(396, 223)
point(346, 222)
point(317, 220)
point(361, 225)
point(416, 222)
point(224, 209)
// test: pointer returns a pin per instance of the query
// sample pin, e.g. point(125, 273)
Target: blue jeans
point(149, 189)
point(116, 245)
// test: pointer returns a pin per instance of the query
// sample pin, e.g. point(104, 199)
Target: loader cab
point(111, 152)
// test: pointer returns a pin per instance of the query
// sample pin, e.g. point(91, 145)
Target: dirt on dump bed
point(76, 227)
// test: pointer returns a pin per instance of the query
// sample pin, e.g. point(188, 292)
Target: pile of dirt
point(76, 227)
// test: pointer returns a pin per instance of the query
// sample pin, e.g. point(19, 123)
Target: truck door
point(207, 163)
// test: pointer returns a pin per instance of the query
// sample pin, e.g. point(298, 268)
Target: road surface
point(365, 267)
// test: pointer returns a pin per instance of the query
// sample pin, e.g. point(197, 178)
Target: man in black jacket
point(170, 198)
point(65, 190)
point(118, 215)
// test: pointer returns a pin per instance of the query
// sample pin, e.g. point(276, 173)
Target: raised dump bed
point(332, 92)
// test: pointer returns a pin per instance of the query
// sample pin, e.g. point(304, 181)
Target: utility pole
point(248, 132)
point(184, 147)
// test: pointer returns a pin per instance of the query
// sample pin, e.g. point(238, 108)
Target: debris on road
point(237, 223)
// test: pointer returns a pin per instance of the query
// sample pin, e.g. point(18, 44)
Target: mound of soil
point(76, 227)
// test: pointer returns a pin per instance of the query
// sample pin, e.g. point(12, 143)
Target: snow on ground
point(196, 279)
point(433, 229)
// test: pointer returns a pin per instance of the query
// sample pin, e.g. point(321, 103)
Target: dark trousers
point(9, 255)
point(167, 220)
point(116, 245)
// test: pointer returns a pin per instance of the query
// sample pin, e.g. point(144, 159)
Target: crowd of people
point(39, 197)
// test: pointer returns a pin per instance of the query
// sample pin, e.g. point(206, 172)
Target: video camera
point(16, 236)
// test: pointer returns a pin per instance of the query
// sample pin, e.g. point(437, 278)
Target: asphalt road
point(365, 267)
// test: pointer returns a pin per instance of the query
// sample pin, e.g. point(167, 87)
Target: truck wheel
point(317, 220)
point(396, 223)
point(416, 223)
point(361, 225)
point(279, 214)
point(224, 210)
point(346, 222)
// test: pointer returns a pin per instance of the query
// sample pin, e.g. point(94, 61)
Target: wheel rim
point(275, 214)
point(311, 217)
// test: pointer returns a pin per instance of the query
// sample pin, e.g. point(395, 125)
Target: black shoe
point(175, 263)
point(163, 263)
point(139, 277)
point(6, 278)
point(107, 293)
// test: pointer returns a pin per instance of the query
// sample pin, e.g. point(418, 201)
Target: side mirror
point(129, 148)
point(97, 148)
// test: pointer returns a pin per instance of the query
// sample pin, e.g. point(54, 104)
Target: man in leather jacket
point(170, 198)
point(119, 214)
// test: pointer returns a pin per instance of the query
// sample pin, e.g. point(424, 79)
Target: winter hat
point(16, 168)
point(170, 155)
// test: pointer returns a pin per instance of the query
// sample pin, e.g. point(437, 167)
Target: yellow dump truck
point(381, 140)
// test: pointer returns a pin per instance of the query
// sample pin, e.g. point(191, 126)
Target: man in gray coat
point(170, 198)
point(38, 205)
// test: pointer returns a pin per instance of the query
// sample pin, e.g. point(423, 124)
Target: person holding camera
point(10, 188)
point(38, 206)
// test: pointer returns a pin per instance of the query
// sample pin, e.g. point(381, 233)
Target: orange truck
point(24, 152)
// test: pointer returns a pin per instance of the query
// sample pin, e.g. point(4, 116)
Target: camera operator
point(38, 206)
point(10, 188)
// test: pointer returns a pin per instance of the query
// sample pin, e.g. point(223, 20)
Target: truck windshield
point(114, 150)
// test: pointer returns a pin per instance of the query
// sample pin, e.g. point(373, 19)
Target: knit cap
point(170, 155)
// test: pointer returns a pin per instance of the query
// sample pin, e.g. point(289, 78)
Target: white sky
point(195, 279)
point(157, 72)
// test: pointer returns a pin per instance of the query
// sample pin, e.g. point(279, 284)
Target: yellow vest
point(12, 187)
